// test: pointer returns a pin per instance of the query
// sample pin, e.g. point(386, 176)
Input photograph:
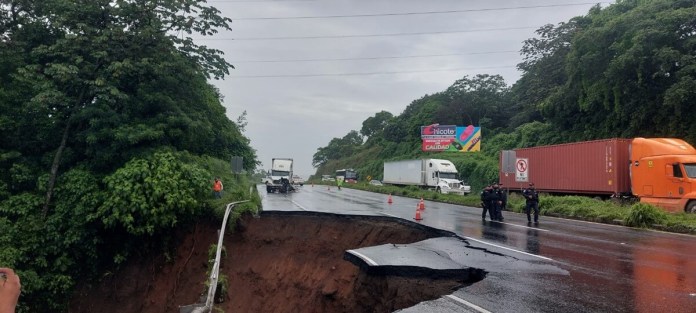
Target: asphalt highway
point(558, 265)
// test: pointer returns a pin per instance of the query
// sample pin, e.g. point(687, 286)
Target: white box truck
point(437, 174)
point(280, 177)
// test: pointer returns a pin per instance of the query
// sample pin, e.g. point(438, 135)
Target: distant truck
point(297, 180)
point(440, 175)
point(658, 171)
point(347, 175)
point(280, 177)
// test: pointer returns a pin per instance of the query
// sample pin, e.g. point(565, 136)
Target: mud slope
point(281, 262)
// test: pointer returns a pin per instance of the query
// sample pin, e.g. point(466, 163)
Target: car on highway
point(375, 182)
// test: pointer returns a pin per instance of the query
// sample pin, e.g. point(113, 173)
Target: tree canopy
point(375, 124)
point(338, 148)
point(105, 107)
point(631, 72)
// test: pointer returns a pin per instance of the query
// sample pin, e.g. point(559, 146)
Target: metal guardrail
point(214, 273)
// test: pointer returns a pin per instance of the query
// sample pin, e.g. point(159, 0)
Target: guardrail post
point(215, 271)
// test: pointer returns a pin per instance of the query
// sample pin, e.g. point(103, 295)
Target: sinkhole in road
point(280, 262)
point(295, 263)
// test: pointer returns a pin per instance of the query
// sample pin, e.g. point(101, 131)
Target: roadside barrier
point(215, 272)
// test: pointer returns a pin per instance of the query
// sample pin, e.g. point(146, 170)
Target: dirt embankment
point(276, 263)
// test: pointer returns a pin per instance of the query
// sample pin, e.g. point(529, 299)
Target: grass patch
point(645, 215)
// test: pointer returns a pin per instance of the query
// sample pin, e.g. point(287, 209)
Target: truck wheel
point(691, 207)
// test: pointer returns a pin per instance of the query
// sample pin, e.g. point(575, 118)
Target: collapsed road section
point(291, 262)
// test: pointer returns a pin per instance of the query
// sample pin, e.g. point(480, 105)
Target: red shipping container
point(599, 167)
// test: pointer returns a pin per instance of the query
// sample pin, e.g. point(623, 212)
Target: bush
point(148, 195)
point(645, 215)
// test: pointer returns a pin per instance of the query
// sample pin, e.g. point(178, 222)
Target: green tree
point(481, 101)
point(543, 68)
point(152, 194)
point(86, 87)
point(375, 124)
point(338, 148)
point(404, 130)
point(86, 55)
point(629, 70)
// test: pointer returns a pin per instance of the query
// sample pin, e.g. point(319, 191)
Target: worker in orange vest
point(217, 188)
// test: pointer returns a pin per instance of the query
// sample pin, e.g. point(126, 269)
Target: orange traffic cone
point(389, 200)
point(418, 214)
point(421, 204)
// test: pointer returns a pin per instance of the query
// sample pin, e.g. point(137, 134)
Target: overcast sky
point(390, 52)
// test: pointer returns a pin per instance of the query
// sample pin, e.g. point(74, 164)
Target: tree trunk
point(61, 148)
point(54, 168)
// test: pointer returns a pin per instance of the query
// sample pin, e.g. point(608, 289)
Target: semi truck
point(436, 174)
point(297, 180)
point(347, 175)
point(279, 179)
point(658, 171)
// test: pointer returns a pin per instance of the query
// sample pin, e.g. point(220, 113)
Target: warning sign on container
point(521, 170)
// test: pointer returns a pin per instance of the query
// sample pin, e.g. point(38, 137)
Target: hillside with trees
point(110, 134)
point(627, 70)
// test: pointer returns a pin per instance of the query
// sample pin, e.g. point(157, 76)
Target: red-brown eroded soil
point(279, 263)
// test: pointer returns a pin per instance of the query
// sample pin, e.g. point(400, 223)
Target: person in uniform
point(498, 196)
point(503, 205)
point(486, 202)
point(532, 196)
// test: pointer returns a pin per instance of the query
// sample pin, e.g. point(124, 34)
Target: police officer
point(486, 202)
point(532, 197)
point(498, 196)
point(503, 205)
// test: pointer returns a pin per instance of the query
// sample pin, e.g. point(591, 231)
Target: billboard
point(438, 138)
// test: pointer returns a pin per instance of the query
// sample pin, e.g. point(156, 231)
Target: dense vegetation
point(110, 135)
point(627, 70)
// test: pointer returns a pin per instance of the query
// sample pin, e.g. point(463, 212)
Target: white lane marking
point(535, 228)
point(506, 248)
point(364, 257)
point(299, 205)
point(469, 304)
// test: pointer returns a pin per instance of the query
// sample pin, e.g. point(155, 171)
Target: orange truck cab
point(663, 173)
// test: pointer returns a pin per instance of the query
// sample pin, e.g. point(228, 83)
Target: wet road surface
point(558, 265)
